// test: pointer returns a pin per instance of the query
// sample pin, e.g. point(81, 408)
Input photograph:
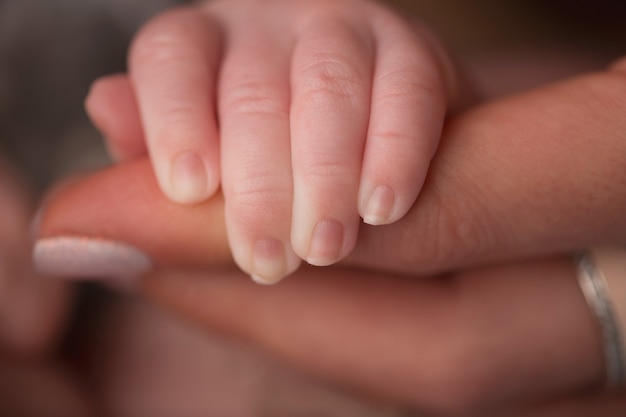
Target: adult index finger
point(541, 172)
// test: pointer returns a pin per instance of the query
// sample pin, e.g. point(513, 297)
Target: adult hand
point(32, 316)
point(535, 174)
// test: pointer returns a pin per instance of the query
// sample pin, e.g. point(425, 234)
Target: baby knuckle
point(395, 136)
point(162, 40)
point(255, 211)
point(258, 193)
point(405, 86)
point(330, 75)
point(179, 117)
point(254, 97)
point(326, 168)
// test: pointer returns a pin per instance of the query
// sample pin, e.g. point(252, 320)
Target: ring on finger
point(602, 278)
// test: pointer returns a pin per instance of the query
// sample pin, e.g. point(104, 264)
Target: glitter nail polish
point(89, 258)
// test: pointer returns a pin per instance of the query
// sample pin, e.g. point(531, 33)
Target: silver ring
point(596, 292)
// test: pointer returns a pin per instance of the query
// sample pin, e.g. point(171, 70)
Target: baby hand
point(311, 114)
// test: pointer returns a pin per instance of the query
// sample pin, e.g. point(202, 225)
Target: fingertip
point(93, 106)
point(191, 179)
point(94, 100)
point(104, 94)
point(331, 241)
point(262, 280)
point(110, 105)
point(378, 207)
point(266, 281)
point(272, 261)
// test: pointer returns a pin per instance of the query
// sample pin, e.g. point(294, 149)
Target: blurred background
point(50, 52)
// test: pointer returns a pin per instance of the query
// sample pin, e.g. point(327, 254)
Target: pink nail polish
point(89, 258)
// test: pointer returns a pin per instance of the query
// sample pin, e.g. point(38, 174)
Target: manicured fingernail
point(271, 262)
point(188, 179)
point(80, 257)
point(379, 206)
point(326, 243)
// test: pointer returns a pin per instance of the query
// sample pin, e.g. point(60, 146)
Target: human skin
point(33, 313)
point(537, 204)
point(533, 175)
point(32, 310)
point(311, 100)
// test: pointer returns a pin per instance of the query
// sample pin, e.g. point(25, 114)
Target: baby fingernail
point(326, 243)
point(270, 261)
point(379, 206)
point(80, 257)
point(189, 180)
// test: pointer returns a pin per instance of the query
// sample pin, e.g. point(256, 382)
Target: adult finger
point(537, 173)
point(33, 310)
point(169, 234)
point(173, 67)
point(542, 172)
point(472, 342)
